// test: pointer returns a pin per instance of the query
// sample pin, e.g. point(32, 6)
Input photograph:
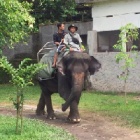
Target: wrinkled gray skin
point(76, 67)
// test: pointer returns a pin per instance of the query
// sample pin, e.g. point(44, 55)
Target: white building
point(108, 17)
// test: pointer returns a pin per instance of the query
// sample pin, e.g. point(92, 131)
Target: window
point(106, 40)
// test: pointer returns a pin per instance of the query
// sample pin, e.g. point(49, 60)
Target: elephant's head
point(75, 67)
point(76, 62)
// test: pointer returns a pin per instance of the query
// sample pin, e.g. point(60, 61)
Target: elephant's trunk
point(77, 86)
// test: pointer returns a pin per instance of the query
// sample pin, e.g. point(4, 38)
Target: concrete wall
point(111, 15)
point(106, 79)
point(92, 42)
point(22, 50)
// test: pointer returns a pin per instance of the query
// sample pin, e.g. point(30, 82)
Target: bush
point(4, 77)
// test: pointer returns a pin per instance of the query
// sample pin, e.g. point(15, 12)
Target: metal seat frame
point(45, 48)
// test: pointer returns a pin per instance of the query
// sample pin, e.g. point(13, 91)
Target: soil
point(91, 127)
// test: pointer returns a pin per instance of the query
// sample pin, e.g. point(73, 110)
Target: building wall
point(108, 17)
point(106, 79)
point(111, 15)
point(22, 50)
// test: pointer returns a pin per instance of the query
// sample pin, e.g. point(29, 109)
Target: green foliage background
point(15, 22)
point(51, 11)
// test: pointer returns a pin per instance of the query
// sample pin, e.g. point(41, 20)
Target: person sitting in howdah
point(73, 39)
point(58, 39)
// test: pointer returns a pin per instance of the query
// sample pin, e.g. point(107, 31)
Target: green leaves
point(128, 34)
point(21, 76)
point(15, 21)
point(131, 31)
point(50, 11)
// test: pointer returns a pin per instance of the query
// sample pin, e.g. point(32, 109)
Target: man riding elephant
point(69, 81)
point(58, 39)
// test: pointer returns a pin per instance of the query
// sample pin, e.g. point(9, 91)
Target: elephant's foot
point(74, 119)
point(40, 112)
point(51, 116)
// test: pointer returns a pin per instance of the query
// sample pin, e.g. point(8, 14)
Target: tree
point(21, 77)
point(15, 22)
point(50, 11)
point(128, 34)
point(53, 10)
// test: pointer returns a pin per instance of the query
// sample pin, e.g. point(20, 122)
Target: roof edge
point(88, 1)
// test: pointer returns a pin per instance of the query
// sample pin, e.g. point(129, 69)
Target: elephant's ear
point(94, 65)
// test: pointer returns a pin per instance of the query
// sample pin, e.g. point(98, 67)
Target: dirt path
point(92, 126)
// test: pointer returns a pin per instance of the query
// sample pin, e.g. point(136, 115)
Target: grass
point(113, 105)
point(109, 104)
point(32, 94)
point(33, 130)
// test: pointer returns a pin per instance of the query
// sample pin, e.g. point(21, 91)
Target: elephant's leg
point(41, 105)
point(50, 111)
point(74, 116)
point(77, 86)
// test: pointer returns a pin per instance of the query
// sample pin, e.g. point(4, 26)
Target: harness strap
point(75, 40)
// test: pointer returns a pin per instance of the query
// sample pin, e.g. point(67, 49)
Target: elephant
point(73, 70)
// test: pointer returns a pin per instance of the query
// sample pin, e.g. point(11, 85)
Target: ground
point(92, 126)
